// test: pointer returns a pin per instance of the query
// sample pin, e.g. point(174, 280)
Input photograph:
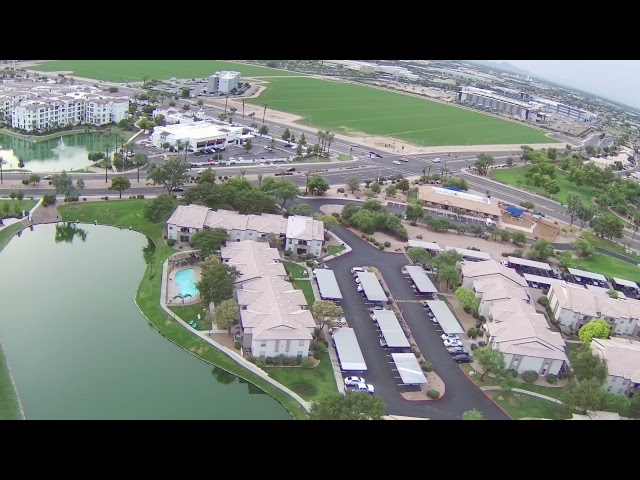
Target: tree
point(375, 187)
point(633, 409)
point(217, 280)
point(585, 395)
point(63, 184)
point(3, 162)
point(326, 312)
point(483, 163)
point(173, 173)
point(160, 208)
point(329, 221)
point(34, 178)
point(138, 160)
point(403, 185)
point(586, 365)
point(317, 184)
point(551, 187)
point(285, 190)
point(583, 247)
point(491, 360)
point(585, 214)
point(263, 130)
point(509, 161)
point(208, 240)
point(613, 293)
point(597, 328)
point(248, 145)
point(519, 238)
point(541, 250)
point(19, 196)
point(574, 203)
point(472, 415)
point(353, 184)
point(353, 406)
point(566, 259)
point(467, 298)
point(226, 314)
point(286, 134)
point(447, 258)
point(391, 191)
point(418, 255)
point(301, 209)
point(120, 183)
point(450, 275)
point(414, 212)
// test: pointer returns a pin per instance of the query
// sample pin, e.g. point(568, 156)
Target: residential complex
point(223, 81)
point(512, 324)
point(36, 106)
point(302, 235)
point(623, 363)
point(469, 204)
point(573, 306)
point(199, 134)
point(274, 316)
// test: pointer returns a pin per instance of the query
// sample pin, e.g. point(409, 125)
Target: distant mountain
point(504, 66)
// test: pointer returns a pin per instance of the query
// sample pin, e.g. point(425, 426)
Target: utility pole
point(264, 113)
point(243, 109)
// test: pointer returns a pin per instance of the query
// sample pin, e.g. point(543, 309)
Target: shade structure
point(543, 280)
point(371, 286)
point(445, 317)
point(470, 253)
point(409, 369)
point(584, 274)
point(625, 283)
point(426, 245)
point(327, 284)
point(529, 263)
point(421, 280)
point(348, 349)
point(391, 329)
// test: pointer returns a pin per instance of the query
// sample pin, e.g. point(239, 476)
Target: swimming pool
point(186, 283)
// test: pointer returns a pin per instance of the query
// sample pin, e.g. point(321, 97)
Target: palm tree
point(3, 162)
point(330, 137)
point(187, 145)
point(321, 137)
point(182, 296)
point(179, 145)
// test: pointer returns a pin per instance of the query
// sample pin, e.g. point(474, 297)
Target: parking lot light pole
point(423, 141)
point(468, 141)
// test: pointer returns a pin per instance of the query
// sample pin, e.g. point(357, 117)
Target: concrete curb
point(343, 252)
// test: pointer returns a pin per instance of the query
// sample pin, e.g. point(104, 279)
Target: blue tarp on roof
point(515, 211)
point(455, 189)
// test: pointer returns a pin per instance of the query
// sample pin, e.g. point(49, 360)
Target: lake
point(79, 348)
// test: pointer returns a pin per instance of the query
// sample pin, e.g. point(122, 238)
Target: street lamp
point(468, 141)
point(423, 141)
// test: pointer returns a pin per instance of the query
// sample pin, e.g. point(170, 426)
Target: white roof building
point(623, 363)
point(472, 271)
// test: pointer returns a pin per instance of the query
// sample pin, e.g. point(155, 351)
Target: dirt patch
point(546, 232)
point(224, 339)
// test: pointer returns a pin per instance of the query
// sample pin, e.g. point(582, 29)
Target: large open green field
point(136, 70)
point(362, 110)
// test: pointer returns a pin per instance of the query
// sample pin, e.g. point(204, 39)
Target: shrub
point(261, 363)
point(505, 254)
point(419, 237)
point(237, 345)
point(317, 354)
point(105, 198)
point(140, 197)
point(280, 359)
point(417, 354)
point(478, 324)
point(341, 190)
point(387, 244)
point(544, 301)
point(467, 308)
point(482, 344)
point(25, 181)
point(551, 378)
point(380, 246)
point(481, 318)
point(529, 376)
point(480, 332)
point(427, 366)
point(306, 362)
point(319, 347)
point(372, 239)
point(472, 333)
point(474, 346)
point(48, 199)
point(364, 235)
point(287, 253)
point(433, 394)
point(171, 242)
point(30, 197)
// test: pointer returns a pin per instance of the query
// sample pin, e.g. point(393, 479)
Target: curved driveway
point(461, 393)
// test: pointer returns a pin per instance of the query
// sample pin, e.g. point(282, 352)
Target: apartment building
point(473, 271)
point(623, 364)
point(453, 200)
point(223, 81)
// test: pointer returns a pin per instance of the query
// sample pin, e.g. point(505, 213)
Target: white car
point(452, 343)
point(47, 177)
point(232, 159)
point(352, 381)
point(360, 289)
point(363, 387)
point(240, 159)
point(358, 281)
point(356, 270)
point(397, 162)
point(436, 160)
point(449, 336)
point(504, 262)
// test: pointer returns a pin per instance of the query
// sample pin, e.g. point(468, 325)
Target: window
point(301, 343)
point(609, 388)
point(625, 381)
point(620, 391)
point(263, 343)
point(300, 353)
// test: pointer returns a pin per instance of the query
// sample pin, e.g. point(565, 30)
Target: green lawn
point(610, 267)
point(190, 312)
point(298, 271)
point(136, 70)
point(611, 246)
point(361, 110)
point(309, 383)
point(7, 233)
point(305, 286)
point(412, 196)
point(127, 213)
point(344, 157)
point(525, 406)
point(511, 176)
point(333, 249)
point(26, 204)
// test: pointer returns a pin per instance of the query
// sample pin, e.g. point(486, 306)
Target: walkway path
point(525, 392)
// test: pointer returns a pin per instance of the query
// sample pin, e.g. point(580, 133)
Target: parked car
point(404, 159)
point(360, 289)
point(457, 350)
point(436, 160)
point(449, 336)
point(178, 189)
point(47, 177)
point(291, 169)
point(463, 358)
point(452, 343)
point(362, 387)
point(356, 270)
point(375, 308)
point(397, 162)
point(352, 381)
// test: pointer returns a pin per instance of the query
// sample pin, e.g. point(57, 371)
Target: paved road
point(461, 393)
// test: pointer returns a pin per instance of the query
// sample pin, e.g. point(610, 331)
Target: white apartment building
point(199, 134)
point(472, 271)
point(223, 81)
point(295, 230)
point(493, 288)
point(274, 316)
point(623, 364)
point(573, 306)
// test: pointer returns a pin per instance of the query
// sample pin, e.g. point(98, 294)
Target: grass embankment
point(299, 274)
point(511, 176)
point(412, 196)
point(125, 213)
point(25, 205)
point(191, 312)
point(610, 267)
point(333, 249)
point(310, 383)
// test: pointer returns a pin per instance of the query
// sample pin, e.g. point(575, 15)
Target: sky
point(613, 79)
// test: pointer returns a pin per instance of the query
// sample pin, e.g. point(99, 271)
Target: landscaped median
point(129, 214)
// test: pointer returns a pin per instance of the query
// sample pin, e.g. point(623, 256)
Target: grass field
point(610, 267)
point(519, 406)
point(309, 383)
point(333, 249)
point(361, 110)
point(298, 271)
point(135, 70)
point(511, 176)
point(26, 204)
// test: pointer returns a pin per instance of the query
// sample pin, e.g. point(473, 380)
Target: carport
point(582, 274)
point(371, 286)
point(420, 279)
point(409, 369)
point(603, 291)
point(523, 262)
point(626, 283)
point(542, 280)
point(327, 284)
point(348, 349)
point(470, 254)
point(392, 332)
point(431, 246)
point(445, 317)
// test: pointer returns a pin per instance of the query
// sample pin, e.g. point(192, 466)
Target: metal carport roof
point(470, 253)
point(626, 283)
point(426, 245)
point(604, 291)
point(372, 288)
point(529, 263)
point(409, 368)
point(348, 349)
point(445, 317)
point(391, 329)
point(584, 274)
point(544, 280)
point(421, 279)
point(327, 284)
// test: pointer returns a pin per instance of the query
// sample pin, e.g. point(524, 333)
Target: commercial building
point(462, 202)
point(223, 81)
point(623, 364)
point(574, 305)
point(274, 316)
point(199, 135)
point(302, 235)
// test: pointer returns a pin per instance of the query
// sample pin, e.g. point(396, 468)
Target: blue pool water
point(186, 283)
